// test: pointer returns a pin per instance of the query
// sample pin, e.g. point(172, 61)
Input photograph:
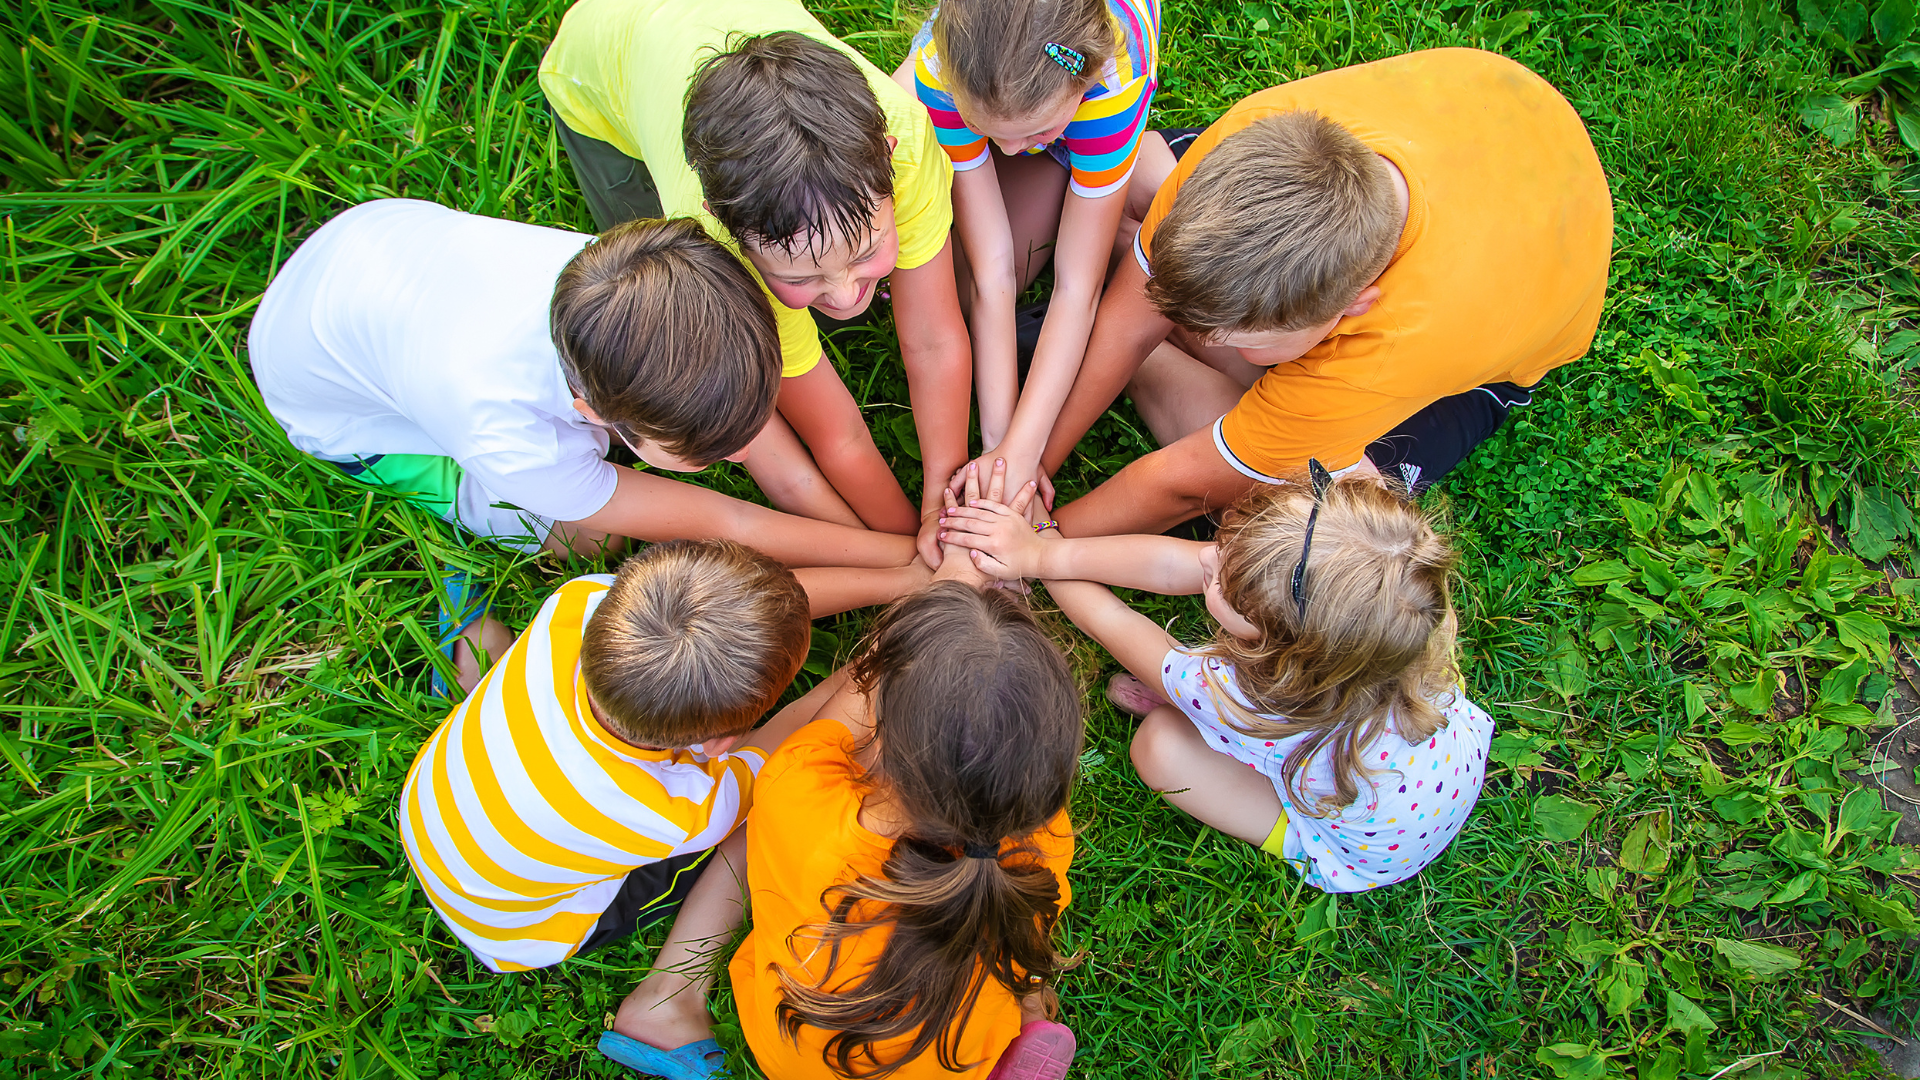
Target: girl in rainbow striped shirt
point(1042, 107)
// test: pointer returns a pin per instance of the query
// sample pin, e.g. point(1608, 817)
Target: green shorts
point(440, 486)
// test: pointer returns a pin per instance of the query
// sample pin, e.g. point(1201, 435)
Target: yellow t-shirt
point(617, 71)
point(1499, 274)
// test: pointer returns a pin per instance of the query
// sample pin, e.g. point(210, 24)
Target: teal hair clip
point(1070, 59)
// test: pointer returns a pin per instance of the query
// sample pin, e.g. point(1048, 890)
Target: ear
point(893, 143)
point(1362, 303)
point(585, 410)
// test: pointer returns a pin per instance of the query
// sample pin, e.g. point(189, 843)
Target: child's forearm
point(1135, 640)
point(980, 218)
point(653, 508)
point(1081, 250)
point(797, 714)
point(1159, 564)
point(834, 589)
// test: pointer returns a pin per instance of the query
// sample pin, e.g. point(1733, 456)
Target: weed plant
point(1686, 597)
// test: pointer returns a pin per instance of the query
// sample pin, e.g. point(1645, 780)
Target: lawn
point(1687, 596)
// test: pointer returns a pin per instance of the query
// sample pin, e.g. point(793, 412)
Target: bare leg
point(1150, 170)
point(488, 634)
point(668, 1009)
point(1178, 395)
point(1034, 189)
point(1173, 760)
point(783, 468)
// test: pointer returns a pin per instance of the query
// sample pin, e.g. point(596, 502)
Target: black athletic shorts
point(1428, 444)
point(650, 893)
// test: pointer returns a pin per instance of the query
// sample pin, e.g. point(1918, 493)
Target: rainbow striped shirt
point(1103, 139)
point(522, 815)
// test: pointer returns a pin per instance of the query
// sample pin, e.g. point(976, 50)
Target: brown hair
point(993, 53)
point(978, 727)
point(789, 142)
point(1280, 226)
point(695, 640)
point(1376, 644)
point(668, 337)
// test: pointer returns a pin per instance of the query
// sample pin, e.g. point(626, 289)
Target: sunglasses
point(1321, 479)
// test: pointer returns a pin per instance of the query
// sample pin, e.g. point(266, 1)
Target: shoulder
point(819, 755)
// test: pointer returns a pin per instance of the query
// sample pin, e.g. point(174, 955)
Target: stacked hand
point(1043, 484)
point(1002, 542)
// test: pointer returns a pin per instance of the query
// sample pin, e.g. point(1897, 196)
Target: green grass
point(213, 655)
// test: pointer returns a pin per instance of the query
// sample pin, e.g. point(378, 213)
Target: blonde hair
point(1281, 225)
point(993, 53)
point(695, 640)
point(1375, 646)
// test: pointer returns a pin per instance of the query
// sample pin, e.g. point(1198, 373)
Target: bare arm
point(649, 507)
point(825, 416)
point(980, 218)
point(934, 346)
point(1136, 641)
point(1158, 491)
point(834, 589)
point(798, 714)
point(1160, 564)
point(1085, 241)
point(1126, 330)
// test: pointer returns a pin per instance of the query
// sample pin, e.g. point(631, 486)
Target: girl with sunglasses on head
point(1324, 722)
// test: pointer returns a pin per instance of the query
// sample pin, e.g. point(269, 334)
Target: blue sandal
point(695, 1061)
point(462, 603)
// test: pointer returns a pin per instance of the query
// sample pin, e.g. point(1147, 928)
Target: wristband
point(1045, 525)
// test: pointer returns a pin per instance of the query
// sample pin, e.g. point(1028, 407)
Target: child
point(1331, 674)
point(1042, 105)
point(1369, 266)
point(822, 174)
point(481, 369)
point(907, 854)
point(577, 794)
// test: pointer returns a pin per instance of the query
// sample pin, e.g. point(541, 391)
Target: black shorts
point(1178, 139)
point(1427, 445)
point(650, 893)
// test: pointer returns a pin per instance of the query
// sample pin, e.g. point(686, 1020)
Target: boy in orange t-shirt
point(1367, 267)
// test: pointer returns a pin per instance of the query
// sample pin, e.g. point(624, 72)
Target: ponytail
point(978, 726)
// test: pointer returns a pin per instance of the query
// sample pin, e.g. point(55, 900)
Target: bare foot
point(661, 1018)
point(1131, 696)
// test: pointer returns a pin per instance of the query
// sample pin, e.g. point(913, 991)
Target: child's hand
point(1002, 542)
point(954, 563)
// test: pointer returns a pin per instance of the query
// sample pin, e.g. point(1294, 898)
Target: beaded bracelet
point(1045, 525)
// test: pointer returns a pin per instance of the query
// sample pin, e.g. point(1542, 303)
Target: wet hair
point(789, 142)
point(1280, 227)
point(993, 53)
point(668, 337)
point(1376, 645)
point(978, 728)
point(695, 641)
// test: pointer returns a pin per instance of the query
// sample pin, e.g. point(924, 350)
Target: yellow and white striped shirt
point(522, 815)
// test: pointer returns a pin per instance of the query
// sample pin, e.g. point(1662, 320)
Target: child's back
point(957, 801)
point(544, 818)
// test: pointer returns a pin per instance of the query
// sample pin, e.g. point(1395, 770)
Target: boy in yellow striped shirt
point(576, 795)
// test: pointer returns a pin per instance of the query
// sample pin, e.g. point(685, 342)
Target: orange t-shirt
point(804, 837)
point(1498, 276)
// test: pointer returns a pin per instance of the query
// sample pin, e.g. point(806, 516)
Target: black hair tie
point(982, 851)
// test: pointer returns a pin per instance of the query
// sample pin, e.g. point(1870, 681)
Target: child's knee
point(1157, 746)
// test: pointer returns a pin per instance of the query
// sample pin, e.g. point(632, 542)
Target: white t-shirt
point(1409, 809)
point(403, 327)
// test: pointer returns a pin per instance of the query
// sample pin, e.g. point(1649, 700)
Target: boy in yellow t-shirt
point(823, 175)
point(1367, 267)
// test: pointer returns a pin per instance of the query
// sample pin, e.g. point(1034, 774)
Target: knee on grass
point(1158, 746)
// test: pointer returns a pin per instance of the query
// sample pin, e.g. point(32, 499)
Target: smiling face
point(1018, 134)
point(1230, 620)
point(839, 279)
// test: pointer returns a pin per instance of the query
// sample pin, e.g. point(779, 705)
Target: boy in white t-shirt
point(481, 369)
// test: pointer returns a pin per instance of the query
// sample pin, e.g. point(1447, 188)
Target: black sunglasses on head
point(1321, 479)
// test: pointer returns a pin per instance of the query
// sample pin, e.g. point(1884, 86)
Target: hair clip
point(1074, 61)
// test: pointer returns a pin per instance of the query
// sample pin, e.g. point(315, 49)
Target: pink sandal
point(1131, 696)
point(1042, 1051)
